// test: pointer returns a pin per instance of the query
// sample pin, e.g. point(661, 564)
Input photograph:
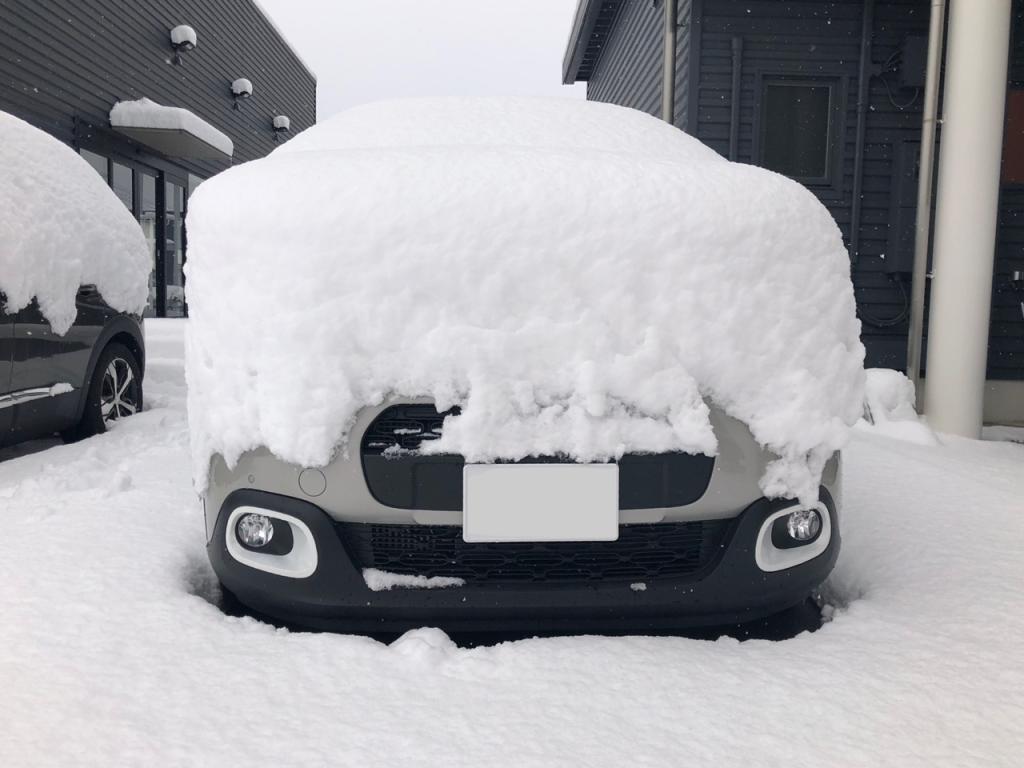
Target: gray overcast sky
point(366, 50)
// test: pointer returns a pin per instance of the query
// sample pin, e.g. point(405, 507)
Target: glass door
point(174, 248)
point(158, 199)
point(147, 214)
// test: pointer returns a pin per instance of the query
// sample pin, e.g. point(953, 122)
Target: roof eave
point(581, 37)
point(577, 41)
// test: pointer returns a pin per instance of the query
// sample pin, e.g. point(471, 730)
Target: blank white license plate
point(540, 502)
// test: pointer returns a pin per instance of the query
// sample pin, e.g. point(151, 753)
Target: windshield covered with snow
point(579, 278)
point(61, 227)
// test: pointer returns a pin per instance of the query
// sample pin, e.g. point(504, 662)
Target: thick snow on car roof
point(541, 124)
point(580, 278)
point(62, 227)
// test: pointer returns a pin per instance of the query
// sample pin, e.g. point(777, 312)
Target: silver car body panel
point(342, 492)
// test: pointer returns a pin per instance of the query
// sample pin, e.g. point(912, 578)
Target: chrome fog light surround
point(298, 562)
point(814, 523)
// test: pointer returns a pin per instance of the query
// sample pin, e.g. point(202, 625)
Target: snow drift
point(579, 278)
point(62, 227)
point(889, 399)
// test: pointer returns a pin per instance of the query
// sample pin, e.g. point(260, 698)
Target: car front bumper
point(732, 588)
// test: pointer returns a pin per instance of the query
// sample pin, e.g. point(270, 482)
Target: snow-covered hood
point(579, 278)
point(62, 227)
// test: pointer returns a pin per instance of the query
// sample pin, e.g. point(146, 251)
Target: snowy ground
point(109, 657)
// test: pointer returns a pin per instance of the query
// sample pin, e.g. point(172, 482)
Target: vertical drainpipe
point(925, 180)
point(668, 75)
point(863, 97)
point(734, 116)
point(967, 209)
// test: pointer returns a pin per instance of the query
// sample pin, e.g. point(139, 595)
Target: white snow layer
point(144, 113)
point(62, 227)
point(578, 277)
point(889, 400)
point(380, 581)
point(110, 656)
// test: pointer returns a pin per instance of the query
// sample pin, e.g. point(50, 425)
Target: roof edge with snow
point(284, 39)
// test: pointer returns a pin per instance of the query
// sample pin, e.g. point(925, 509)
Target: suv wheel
point(115, 392)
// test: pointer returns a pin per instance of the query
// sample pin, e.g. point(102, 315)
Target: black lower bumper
point(731, 589)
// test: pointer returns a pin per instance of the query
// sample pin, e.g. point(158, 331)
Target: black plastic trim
point(336, 596)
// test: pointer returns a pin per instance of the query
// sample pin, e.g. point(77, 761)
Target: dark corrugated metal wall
point(67, 59)
point(629, 70)
point(815, 38)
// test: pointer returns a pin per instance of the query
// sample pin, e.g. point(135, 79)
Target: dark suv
point(73, 384)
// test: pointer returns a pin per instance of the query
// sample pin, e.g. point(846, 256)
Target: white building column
point(970, 153)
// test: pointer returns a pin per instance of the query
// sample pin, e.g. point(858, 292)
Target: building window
point(122, 180)
point(174, 249)
point(147, 219)
point(98, 162)
point(798, 129)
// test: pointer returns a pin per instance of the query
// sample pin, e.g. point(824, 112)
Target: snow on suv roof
point(580, 278)
point(540, 124)
point(62, 227)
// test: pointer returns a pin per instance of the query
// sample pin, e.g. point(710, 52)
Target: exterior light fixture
point(241, 89)
point(254, 531)
point(803, 525)
point(183, 40)
point(282, 123)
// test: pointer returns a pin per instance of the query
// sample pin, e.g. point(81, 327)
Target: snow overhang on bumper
point(342, 488)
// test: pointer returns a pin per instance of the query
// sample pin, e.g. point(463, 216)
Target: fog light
point(254, 531)
point(803, 525)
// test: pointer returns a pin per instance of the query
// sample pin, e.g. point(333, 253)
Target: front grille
point(404, 427)
point(398, 476)
point(642, 552)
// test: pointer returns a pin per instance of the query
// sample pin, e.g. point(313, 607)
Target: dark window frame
point(831, 185)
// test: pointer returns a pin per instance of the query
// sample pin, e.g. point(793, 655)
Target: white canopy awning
point(172, 131)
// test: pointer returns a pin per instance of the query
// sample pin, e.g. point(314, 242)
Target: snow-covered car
point(73, 272)
point(489, 363)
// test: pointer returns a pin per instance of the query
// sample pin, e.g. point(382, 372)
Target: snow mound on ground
point(580, 278)
point(107, 657)
point(889, 400)
point(61, 227)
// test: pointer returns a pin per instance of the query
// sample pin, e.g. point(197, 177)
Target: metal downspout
point(668, 76)
point(863, 97)
point(925, 182)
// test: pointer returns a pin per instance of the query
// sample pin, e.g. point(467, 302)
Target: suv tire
point(115, 391)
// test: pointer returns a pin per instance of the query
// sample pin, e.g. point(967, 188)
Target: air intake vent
point(660, 550)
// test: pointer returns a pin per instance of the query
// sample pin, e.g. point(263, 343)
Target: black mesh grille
point(643, 551)
point(398, 476)
point(405, 427)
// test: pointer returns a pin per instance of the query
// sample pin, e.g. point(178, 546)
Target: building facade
point(194, 109)
point(830, 93)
